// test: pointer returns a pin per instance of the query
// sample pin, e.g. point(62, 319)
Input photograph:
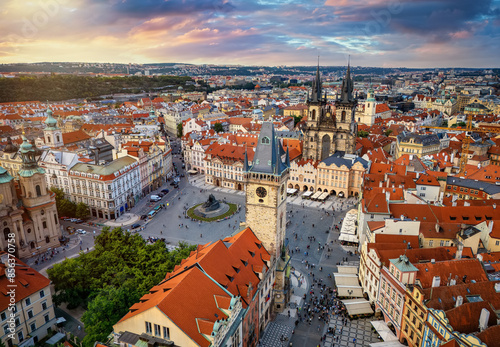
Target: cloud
point(374, 32)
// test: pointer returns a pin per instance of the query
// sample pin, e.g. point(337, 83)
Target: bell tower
point(38, 201)
point(317, 114)
point(345, 110)
point(266, 181)
point(52, 133)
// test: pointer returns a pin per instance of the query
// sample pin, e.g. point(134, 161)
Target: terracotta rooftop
point(27, 282)
point(490, 336)
point(468, 269)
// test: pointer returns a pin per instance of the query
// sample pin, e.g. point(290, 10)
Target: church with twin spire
point(330, 128)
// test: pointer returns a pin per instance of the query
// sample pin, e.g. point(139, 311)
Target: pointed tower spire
point(245, 161)
point(287, 160)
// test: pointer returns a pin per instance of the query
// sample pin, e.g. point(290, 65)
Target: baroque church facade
point(330, 128)
point(28, 214)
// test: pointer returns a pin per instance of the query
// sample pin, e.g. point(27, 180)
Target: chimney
point(494, 206)
point(436, 280)
point(433, 261)
point(460, 301)
point(483, 319)
point(460, 248)
point(380, 184)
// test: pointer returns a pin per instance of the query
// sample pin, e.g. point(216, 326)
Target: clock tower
point(266, 184)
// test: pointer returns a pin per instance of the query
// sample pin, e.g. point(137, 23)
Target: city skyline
point(396, 33)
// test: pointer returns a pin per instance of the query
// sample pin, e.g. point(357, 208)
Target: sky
point(386, 33)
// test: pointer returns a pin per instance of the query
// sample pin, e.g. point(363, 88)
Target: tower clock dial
point(261, 192)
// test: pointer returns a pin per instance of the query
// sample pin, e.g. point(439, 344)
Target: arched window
point(48, 139)
point(47, 239)
point(343, 116)
point(265, 140)
point(32, 244)
point(6, 233)
point(58, 138)
point(38, 191)
point(313, 115)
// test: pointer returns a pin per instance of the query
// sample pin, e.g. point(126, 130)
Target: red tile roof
point(465, 318)
point(27, 282)
point(471, 268)
point(490, 336)
point(181, 300)
point(75, 136)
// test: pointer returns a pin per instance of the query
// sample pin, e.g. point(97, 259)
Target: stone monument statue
point(211, 204)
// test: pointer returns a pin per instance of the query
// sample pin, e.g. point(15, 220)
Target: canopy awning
point(383, 330)
point(54, 339)
point(348, 291)
point(343, 279)
point(357, 306)
point(349, 238)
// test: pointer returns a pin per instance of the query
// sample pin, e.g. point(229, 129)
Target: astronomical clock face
point(261, 192)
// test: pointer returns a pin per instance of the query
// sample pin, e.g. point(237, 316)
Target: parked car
point(144, 216)
point(136, 225)
point(161, 194)
point(154, 198)
point(81, 231)
point(165, 191)
point(78, 221)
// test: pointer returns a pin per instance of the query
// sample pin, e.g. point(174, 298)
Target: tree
point(64, 207)
point(179, 130)
point(296, 120)
point(218, 128)
point(388, 132)
point(363, 133)
point(115, 275)
point(82, 211)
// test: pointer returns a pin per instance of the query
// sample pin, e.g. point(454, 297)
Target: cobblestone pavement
point(354, 333)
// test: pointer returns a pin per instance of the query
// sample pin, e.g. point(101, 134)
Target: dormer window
point(265, 140)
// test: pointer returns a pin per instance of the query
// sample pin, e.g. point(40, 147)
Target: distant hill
point(65, 87)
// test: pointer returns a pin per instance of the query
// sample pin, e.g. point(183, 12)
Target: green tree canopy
point(107, 281)
point(388, 132)
point(218, 128)
point(179, 130)
point(82, 210)
point(296, 119)
point(65, 208)
point(363, 133)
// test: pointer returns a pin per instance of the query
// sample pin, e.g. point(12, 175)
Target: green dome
point(51, 122)
point(26, 146)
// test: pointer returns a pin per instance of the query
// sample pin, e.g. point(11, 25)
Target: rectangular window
point(33, 326)
point(30, 314)
point(46, 317)
point(166, 333)
point(27, 301)
point(157, 330)
point(149, 329)
point(431, 243)
point(42, 294)
point(44, 305)
point(3, 316)
point(20, 336)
